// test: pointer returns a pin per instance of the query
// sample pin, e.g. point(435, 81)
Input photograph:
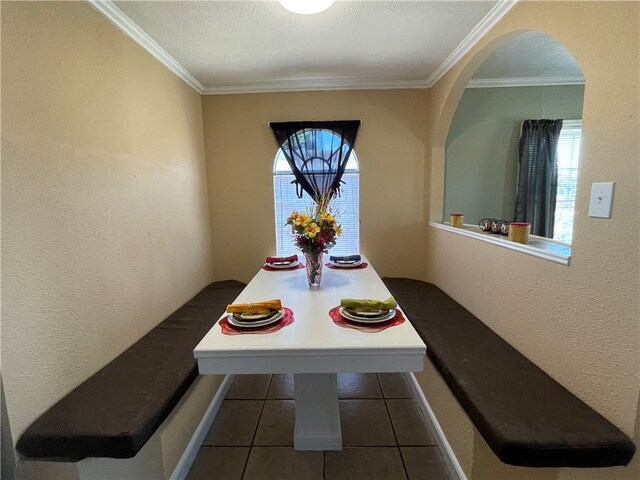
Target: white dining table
point(313, 347)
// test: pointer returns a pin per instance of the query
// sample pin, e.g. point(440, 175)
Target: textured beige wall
point(105, 216)
point(391, 146)
point(578, 323)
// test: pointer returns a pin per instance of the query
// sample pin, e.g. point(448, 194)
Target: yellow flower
point(327, 218)
point(311, 230)
point(339, 230)
point(301, 219)
point(293, 216)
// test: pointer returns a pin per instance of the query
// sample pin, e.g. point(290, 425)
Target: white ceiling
point(238, 46)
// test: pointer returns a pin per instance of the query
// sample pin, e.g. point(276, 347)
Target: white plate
point(254, 317)
point(284, 265)
point(366, 313)
point(257, 323)
point(346, 265)
point(353, 318)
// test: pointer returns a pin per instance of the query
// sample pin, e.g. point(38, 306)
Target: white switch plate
point(601, 199)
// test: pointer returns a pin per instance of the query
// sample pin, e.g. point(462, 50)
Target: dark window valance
point(317, 153)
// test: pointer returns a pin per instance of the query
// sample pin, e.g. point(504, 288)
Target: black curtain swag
point(317, 153)
point(538, 175)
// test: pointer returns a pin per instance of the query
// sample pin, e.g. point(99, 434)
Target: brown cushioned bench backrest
point(115, 411)
point(526, 417)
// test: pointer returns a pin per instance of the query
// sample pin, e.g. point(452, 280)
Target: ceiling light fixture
point(306, 7)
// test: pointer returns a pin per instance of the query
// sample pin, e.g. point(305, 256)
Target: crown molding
point(313, 84)
point(130, 28)
point(480, 30)
point(525, 82)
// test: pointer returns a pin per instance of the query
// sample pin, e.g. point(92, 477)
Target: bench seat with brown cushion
point(525, 416)
point(114, 412)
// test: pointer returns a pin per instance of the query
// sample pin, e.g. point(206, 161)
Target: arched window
point(344, 206)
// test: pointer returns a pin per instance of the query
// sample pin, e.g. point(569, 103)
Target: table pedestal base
point(317, 412)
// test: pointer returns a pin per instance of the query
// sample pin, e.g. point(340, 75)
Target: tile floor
point(384, 434)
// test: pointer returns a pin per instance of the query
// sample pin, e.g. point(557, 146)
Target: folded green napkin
point(365, 304)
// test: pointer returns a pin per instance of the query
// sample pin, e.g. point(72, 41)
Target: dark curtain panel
point(538, 175)
point(317, 153)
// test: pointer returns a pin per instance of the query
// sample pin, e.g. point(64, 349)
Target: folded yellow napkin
point(254, 307)
point(365, 304)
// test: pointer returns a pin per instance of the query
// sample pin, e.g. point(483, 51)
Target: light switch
point(601, 199)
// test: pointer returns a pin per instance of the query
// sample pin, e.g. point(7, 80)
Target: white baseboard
point(445, 448)
point(186, 460)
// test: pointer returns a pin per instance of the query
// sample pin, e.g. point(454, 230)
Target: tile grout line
point(386, 406)
point(404, 466)
point(380, 384)
point(255, 432)
point(324, 465)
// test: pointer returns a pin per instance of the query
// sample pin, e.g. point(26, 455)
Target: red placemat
point(229, 329)
point(271, 269)
point(339, 320)
point(357, 267)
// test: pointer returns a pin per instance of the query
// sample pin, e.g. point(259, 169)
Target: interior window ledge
point(540, 247)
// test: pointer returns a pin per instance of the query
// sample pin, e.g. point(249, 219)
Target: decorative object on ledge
point(519, 232)
point(492, 225)
point(486, 224)
point(456, 220)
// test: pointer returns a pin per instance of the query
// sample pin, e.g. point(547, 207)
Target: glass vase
point(314, 268)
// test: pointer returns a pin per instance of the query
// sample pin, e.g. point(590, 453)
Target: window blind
point(345, 207)
point(568, 153)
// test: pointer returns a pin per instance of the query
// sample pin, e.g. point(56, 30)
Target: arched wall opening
point(443, 119)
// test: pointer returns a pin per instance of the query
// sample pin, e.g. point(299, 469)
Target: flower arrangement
point(314, 232)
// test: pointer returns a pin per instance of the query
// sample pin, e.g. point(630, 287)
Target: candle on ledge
point(519, 232)
point(456, 220)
